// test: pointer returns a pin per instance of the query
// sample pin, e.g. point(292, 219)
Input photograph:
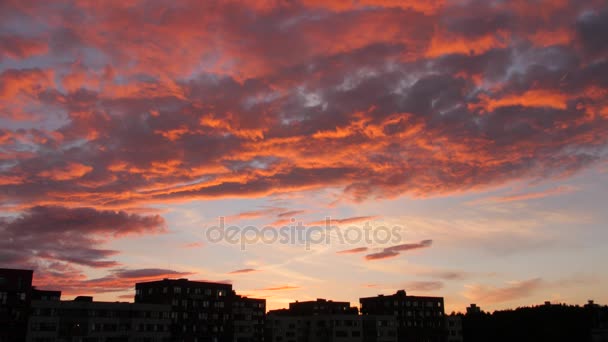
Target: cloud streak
point(343, 221)
point(394, 251)
point(243, 271)
point(353, 251)
point(280, 288)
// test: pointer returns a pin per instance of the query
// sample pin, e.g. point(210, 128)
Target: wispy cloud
point(348, 220)
point(291, 213)
point(243, 271)
point(393, 251)
point(526, 196)
point(255, 214)
point(193, 245)
point(353, 251)
point(280, 288)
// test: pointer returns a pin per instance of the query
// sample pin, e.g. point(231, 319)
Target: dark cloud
point(591, 27)
point(21, 47)
point(394, 251)
point(70, 234)
point(291, 213)
point(147, 273)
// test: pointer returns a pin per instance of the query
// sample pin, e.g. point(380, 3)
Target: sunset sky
point(479, 127)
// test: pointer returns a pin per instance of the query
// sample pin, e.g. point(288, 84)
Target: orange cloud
point(68, 172)
point(427, 7)
point(24, 81)
point(531, 98)
point(444, 43)
point(193, 245)
point(280, 288)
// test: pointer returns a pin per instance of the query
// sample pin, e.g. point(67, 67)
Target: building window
point(341, 333)
point(177, 289)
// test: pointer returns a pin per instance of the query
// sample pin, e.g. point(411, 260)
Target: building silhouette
point(419, 319)
point(203, 311)
point(473, 309)
point(327, 321)
point(547, 322)
point(83, 319)
point(454, 328)
point(15, 298)
point(171, 310)
point(249, 317)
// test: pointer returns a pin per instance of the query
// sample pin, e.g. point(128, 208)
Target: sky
point(457, 148)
